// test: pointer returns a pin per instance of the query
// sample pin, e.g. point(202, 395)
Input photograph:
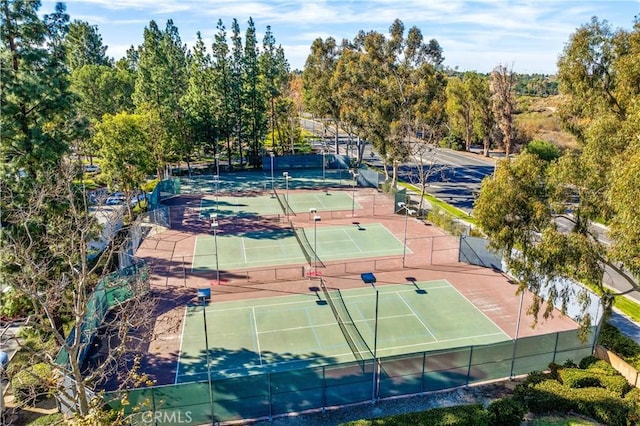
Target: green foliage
point(32, 383)
point(446, 221)
point(543, 149)
point(14, 305)
point(595, 392)
point(632, 399)
point(48, 420)
point(506, 412)
point(611, 338)
point(452, 142)
point(473, 414)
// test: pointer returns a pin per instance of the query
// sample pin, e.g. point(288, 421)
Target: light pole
point(272, 181)
point(316, 219)
point(323, 165)
point(407, 212)
point(353, 196)
point(286, 197)
point(203, 299)
point(214, 227)
point(217, 156)
point(376, 364)
point(515, 340)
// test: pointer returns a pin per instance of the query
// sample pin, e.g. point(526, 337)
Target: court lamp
point(407, 212)
point(316, 219)
point(273, 188)
point(216, 180)
point(214, 228)
point(323, 173)
point(286, 197)
point(353, 196)
point(203, 299)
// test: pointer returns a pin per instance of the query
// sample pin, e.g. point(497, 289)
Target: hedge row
point(596, 390)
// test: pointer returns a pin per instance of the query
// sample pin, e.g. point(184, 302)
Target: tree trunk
point(485, 146)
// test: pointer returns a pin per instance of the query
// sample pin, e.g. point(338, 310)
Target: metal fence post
point(469, 368)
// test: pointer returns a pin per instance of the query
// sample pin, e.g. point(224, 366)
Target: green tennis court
point(292, 332)
point(269, 205)
point(281, 247)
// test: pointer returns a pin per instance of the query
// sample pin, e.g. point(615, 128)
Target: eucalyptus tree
point(599, 81)
point(274, 73)
point(503, 103)
point(391, 87)
point(254, 96)
point(320, 95)
point(468, 108)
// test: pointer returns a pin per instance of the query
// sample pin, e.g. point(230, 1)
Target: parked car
point(115, 199)
point(90, 168)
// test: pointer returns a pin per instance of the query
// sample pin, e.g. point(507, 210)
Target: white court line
point(244, 250)
point(417, 317)
point(255, 328)
point(354, 243)
point(184, 319)
point(441, 341)
point(480, 310)
point(319, 200)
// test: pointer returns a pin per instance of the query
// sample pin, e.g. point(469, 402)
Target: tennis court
point(263, 205)
point(281, 246)
point(299, 331)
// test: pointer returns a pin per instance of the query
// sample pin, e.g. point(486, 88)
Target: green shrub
point(611, 338)
point(632, 398)
point(549, 396)
point(543, 149)
point(472, 414)
point(33, 383)
point(506, 412)
point(601, 404)
point(49, 419)
point(587, 361)
point(575, 378)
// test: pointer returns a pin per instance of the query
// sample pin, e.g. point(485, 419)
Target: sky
point(527, 36)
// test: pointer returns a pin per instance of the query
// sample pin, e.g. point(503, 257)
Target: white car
point(115, 199)
point(90, 168)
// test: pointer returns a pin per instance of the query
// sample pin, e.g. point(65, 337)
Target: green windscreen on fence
point(112, 290)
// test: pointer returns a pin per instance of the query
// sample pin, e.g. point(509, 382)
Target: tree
point(84, 46)
point(390, 88)
point(599, 78)
point(222, 87)
point(199, 102)
point(45, 225)
point(236, 86)
point(515, 211)
point(319, 91)
point(57, 276)
point(126, 151)
point(160, 84)
point(503, 103)
point(274, 72)
point(459, 109)
point(35, 91)
point(255, 103)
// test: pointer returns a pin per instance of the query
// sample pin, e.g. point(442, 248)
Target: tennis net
point(305, 245)
point(286, 208)
point(351, 333)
